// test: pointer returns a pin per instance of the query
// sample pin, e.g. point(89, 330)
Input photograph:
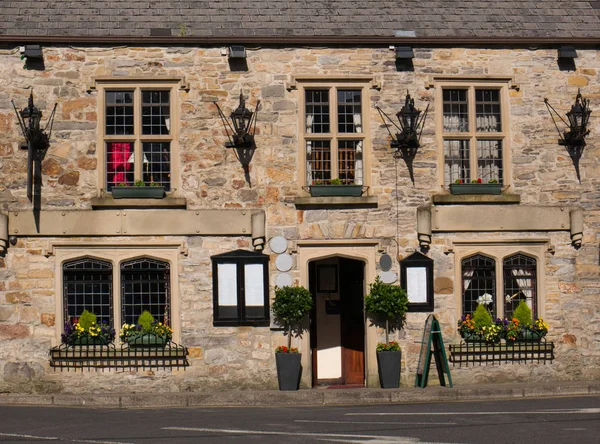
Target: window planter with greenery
point(523, 328)
point(476, 187)
point(86, 331)
point(335, 187)
point(290, 307)
point(386, 305)
point(146, 333)
point(139, 190)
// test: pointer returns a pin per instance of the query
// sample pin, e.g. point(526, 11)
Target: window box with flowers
point(146, 333)
point(522, 328)
point(335, 187)
point(139, 190)
point(481, 327)
point(476, 187)
point(86, 331)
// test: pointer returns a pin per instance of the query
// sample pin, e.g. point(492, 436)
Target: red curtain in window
point(118, 161)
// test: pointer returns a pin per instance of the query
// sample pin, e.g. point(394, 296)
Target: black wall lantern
point(37, 140)
point(240, 132)
point(406, 141)
point(577, 128)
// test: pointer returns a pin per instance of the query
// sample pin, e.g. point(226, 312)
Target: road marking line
point(378, 438)
point(375, 422)
point(15, 435)
point(54, 438)
point(539, 412)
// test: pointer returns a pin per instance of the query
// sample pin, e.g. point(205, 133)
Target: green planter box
point(138, 192)
point(335, 190)
point(147, 340)
point(90, 340)
point(475, 188)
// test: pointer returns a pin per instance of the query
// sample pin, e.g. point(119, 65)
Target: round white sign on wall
point(278, 244)
point(388, 277)
point(284, 280)
point(284, 262)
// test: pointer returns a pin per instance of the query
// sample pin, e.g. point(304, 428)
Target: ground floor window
point(145, 284)
point(501, 274)
point(87, 285)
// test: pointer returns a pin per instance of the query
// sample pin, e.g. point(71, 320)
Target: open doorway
point(337, 328)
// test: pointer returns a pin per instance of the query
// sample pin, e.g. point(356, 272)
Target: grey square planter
point(289, 370)
point(388, 365)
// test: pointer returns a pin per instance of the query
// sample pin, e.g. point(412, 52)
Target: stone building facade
point(212, 206)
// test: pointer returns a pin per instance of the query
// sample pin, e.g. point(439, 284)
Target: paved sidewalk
point(274, 398)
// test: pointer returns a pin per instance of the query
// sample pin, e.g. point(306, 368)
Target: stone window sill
point(109, 202)
point(338, 202)
point(475, 199)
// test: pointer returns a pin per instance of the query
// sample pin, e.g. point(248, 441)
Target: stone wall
point(212, 178)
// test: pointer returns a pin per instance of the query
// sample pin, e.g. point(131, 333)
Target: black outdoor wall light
point(240, 128)
point(36, 138)
point(406, 141)
point(577, 128)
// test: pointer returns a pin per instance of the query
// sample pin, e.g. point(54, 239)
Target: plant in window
point(146, 333)
point(336, 181)
point(387, 305)
point(86, 331)
point(481, 327)
point(527, 328)
point(523, 314)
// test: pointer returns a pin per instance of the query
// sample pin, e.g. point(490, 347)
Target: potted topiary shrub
point(146, 333)
point(290, 307)
point(86, 331)
point(139, 190)
point(386, 305)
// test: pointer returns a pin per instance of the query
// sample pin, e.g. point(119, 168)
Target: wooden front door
point(352, 321)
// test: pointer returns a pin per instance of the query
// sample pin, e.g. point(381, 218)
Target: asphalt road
point(530, 421)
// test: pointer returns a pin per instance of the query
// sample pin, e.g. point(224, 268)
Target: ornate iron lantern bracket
point(406, 141)
point(577, 128)
point(240, 129)
point(37, 139)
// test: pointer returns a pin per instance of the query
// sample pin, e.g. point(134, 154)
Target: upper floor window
point(333, 136)
point(474, 132)
point(138, 135)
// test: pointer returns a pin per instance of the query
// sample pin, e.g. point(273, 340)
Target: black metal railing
point(465, 354)
point(108, 357)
